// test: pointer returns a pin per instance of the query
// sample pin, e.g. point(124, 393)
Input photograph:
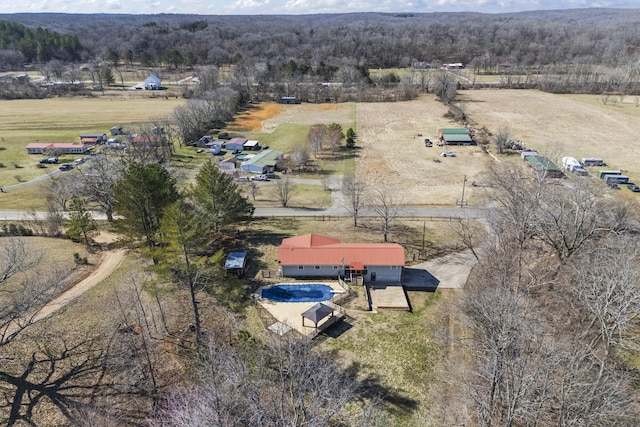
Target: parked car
point(447, 154)
point(634, 187)
point(50, 160)
point(66, 167)
point(259, 178)
point(272, 175)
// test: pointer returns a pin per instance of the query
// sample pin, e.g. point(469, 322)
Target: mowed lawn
point(63, 120)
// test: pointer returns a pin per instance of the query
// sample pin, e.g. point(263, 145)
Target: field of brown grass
point(391, 136)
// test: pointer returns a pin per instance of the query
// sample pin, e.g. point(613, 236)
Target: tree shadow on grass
point(371, 387)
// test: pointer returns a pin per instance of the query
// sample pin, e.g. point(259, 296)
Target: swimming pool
point(308, 292)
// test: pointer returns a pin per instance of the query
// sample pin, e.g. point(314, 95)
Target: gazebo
point(317, 313)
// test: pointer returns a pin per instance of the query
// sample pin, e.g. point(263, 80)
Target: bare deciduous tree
point(385, 204)
point(316, 138)
point(284, 190)
point(354, 191)
point(283, 383)
point(501, 138)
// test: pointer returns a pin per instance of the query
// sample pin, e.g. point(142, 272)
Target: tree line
point(555, 51)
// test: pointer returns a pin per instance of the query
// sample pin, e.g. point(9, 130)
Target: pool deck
point(290, 313)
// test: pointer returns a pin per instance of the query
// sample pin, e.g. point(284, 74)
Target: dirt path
point(107, 265)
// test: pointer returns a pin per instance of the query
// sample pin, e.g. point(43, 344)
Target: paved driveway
point(447, 272)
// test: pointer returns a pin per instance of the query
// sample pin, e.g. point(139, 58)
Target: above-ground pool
point(307, 292)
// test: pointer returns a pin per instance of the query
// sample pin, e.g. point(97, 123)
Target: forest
point(594, 49)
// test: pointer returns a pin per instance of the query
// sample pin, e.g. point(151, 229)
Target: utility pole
point(464, 182)
point(424, 226)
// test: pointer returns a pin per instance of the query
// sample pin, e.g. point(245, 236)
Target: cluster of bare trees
point(552, 306)
point(282, 383)
point(381, 199)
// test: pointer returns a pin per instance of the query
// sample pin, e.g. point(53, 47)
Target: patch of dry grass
point(251, 120)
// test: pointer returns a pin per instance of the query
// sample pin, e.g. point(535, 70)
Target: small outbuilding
point(545, 166)
point(455, 136)
point(288, 100)
point(236, 263)
point(93, 138)
point(251, 145)
point(116, 130)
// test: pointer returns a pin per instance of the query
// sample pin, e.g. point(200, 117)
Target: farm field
point(555, 125)
point(563, 125)
point(62, 120)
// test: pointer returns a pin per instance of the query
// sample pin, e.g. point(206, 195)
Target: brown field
point(556, 125)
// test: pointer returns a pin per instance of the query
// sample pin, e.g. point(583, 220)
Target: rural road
point(404, 212)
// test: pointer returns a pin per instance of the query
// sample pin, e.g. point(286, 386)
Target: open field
point(563, 125)
point(62, 120)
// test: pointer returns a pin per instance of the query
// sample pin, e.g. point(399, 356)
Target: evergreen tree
point(80, 225)
point(107, 75)
point(220, 197)
point(140, 199)
point(351, 138)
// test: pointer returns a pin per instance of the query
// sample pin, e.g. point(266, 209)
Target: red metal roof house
point(313, 255)
point(56, 147)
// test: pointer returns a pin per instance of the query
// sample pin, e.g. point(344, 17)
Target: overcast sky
point(297, 7)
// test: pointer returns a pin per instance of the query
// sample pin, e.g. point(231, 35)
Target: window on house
point(301, 267)
point(335, 267)
point(317, 267)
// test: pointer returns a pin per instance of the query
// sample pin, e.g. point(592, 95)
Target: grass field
point(63, 120)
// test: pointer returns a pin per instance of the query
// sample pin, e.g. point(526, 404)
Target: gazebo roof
point(318, 312)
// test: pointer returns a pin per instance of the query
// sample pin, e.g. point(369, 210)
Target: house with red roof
point(56, 148)
point(313, 255)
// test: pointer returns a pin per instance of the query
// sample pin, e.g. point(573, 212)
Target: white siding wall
point(310, 271)
point(384, 273)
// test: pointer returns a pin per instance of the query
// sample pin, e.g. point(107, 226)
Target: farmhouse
point(56, 148)
point(545, 166)
point(235, 144)
point(455, 136)
point(313, 255)
point(266, 161)
point(152, 83)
